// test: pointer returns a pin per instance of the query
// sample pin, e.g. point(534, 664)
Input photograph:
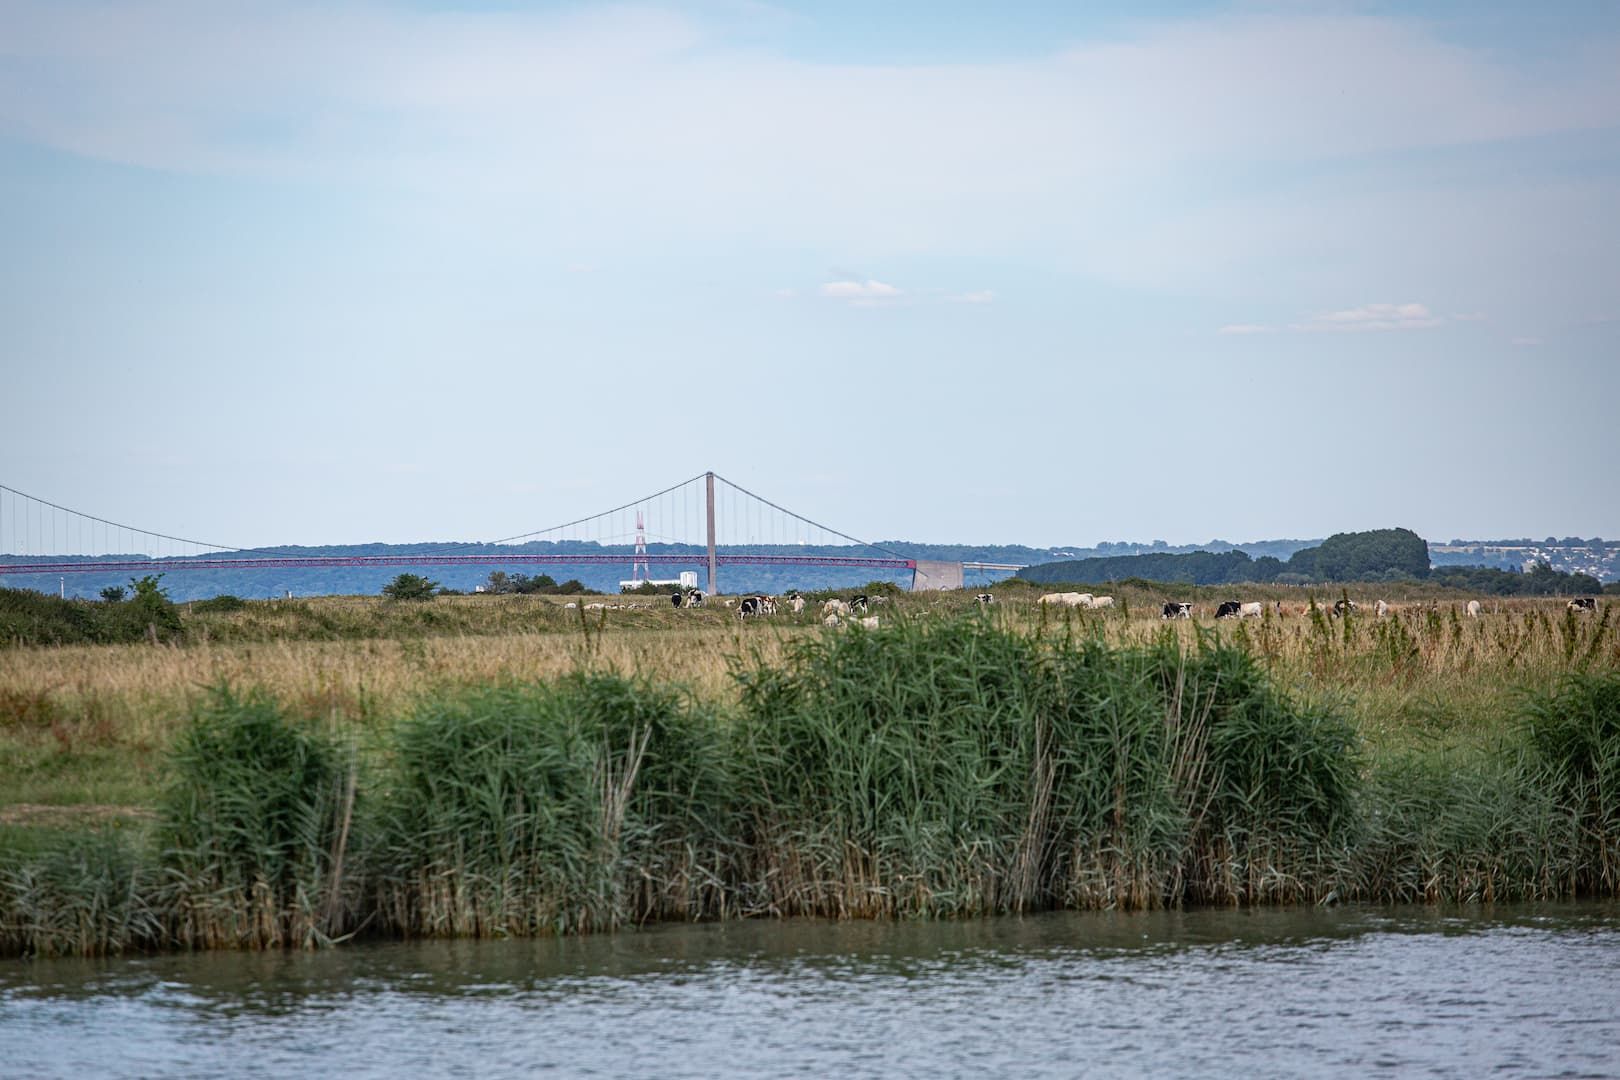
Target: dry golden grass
point(88, 724)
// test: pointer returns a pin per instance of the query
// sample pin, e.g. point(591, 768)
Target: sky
point(276, 273)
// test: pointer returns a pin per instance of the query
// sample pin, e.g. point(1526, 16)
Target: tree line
point(1371, 556)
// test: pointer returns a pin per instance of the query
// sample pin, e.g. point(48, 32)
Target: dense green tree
point(410, 587)
point(1367, 556)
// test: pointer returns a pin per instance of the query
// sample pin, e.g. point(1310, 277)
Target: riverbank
point(940, 766)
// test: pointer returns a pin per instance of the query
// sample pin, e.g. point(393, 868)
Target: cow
point(675, 598)
point(834, 607)
point(1252, 610)
point(1175, 609)
point(1229, 609)
point(1068, 599)
point(1100, 602)
point(1345, 607)
point(595, 607)
point(830, 620)
point(857, 603)
point(985, 598)
point(694, 598)
point(1583, 603)
point(755, 605)
point(1474, 608)
point(1382, 609)
point(797, 604)
point(870, 622)
point(767, 605)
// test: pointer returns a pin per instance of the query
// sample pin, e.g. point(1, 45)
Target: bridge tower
point(708, 483)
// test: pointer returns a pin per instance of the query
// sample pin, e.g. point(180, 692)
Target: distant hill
point(1106, 561)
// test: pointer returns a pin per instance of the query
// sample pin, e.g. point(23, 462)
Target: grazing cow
point(1583, 603)
point(767, 605)
point(1251, 610)
point(835, 607)
point(1474, 609)
point(1176, 609)
point(1383, 609)
point(694, 598)
point(870, 622)
point(595, 607)
point(1068, 599)
point(830, 620)
point(752, 605)
point(1229, 609)
point(570, 606)
point(675, 598)
point(985, 598)
point(797, 604)
point(857, 603)
point(1100, 602)
point(1345, 607)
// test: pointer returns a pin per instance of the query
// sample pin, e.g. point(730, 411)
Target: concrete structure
point(929, 575)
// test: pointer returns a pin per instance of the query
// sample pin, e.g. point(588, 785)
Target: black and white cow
point(857, 603)
point(1176, 609)
point(1229, 609)
point(694, 598)
point(1583, 603)
point(749, 605)
point(985, 598)
point(1345, 607)
point(675, 598)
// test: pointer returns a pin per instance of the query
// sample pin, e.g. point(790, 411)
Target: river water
point(1531, 991)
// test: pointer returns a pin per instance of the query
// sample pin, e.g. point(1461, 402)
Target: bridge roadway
point(278, 561)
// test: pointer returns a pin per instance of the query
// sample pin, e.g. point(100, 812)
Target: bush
point(224, 603)
point(410, 587)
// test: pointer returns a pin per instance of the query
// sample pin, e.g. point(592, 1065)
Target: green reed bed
point(931, 768)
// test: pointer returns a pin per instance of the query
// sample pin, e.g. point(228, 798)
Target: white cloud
point(867, 293)
point(1367, 317)
point(1373, 317)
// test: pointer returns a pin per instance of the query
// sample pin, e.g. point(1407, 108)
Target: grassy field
point(87, 725)
point(1437, 712)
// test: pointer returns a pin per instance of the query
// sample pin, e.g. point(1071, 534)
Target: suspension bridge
point(703, 523)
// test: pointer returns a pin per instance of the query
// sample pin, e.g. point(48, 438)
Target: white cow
point(1474, 608)
point(797, 604)
point(1382, 608)
point(1068, 599)
point(870, 622)
point(835, 607)
point(830, 620)
point(1100, 602)
point(1251, 611)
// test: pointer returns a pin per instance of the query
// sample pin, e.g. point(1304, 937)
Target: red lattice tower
point(640, 565)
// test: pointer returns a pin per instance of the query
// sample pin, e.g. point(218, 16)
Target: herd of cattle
point(1234, 609)
point(837, 612)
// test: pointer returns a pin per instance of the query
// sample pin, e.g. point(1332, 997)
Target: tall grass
point(255, 828)
point(932, 767)
point(957, 768)
point(552, 808)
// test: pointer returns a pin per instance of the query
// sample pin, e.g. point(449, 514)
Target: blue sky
point(284, 273)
